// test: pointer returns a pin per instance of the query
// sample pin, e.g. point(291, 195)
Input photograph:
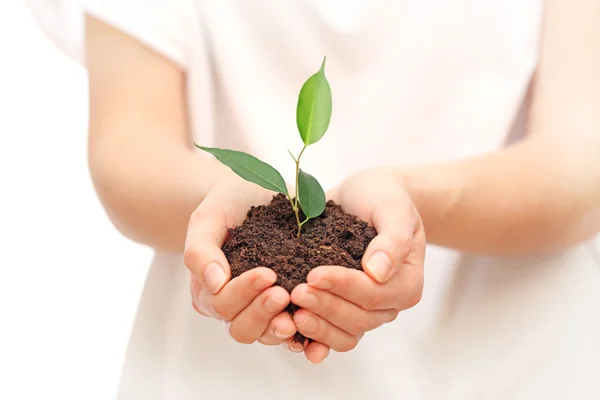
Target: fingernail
point(293, 348)
point(307, 323)
point(380, 266)
point(279, 334)
point(296, 347)
point(214, 277)
point(274, 304)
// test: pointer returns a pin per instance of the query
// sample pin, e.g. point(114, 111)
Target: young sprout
point(313, 115)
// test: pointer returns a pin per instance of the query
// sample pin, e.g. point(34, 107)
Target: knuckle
point(197, 211)
point(382, 318)
point(348, 345)
point(222, 311)
point(414, 297)
point(414, 293)
point(329, 308)
point(240, 335)
point(200, 213)
point(341, 283)
point(363, 325)
point(398, 237)
point(269, 341)
point(375, 302)
point(244, 340)
point(191, 258)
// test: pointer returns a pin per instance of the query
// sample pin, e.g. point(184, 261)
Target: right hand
point(249, 304)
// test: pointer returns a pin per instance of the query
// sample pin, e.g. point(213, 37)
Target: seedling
point(313, 115)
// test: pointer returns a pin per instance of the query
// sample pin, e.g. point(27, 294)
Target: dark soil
point(267, 238)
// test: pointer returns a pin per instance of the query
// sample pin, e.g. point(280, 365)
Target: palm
point(378, 198)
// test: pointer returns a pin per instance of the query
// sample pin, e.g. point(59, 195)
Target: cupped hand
point(249, 304)
point(338, 305)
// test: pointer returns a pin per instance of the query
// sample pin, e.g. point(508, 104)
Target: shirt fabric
point(413, 83)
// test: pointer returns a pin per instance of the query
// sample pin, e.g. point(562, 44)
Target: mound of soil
point(267, 238)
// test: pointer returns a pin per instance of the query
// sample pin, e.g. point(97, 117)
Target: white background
point(69, 282)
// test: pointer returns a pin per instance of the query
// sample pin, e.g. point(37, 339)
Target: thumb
point(395, 224)
point(203, 256)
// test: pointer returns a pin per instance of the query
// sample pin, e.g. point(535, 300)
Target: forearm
point(149, 192)
point(147, 176)
point(534, 196)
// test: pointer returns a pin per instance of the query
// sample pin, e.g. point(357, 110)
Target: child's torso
point(413, 82)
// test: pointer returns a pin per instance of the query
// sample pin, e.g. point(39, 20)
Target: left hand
point(338, 304)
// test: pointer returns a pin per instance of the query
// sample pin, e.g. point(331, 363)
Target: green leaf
point(250, 168)
point(313, 113)
point(311, 195)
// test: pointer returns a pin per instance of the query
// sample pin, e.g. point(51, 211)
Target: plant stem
point(297, 213)
point(295, 206)
point(298, 222)
point(298, 173)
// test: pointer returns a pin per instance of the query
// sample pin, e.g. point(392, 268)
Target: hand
point(249, 304)
point(338, 305)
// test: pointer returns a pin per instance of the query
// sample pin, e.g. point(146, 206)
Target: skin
point(248, 303)
point(539, 195)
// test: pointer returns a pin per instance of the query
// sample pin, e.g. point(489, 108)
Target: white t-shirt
point(413, 82)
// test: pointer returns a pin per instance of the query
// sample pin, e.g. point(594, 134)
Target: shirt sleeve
point(158, 24)
point(62, 22)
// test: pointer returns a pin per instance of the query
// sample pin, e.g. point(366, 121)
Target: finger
point(196, 290)
point(250, 324)
point(403, 291)
point(316, 328)
point(395, 221)
point(341, 313)
point(293, 346)
point(316, 352)
point(236, 295)
point(281, 328)
point(203, 256)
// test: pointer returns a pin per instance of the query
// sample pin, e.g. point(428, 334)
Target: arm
point(544, 192)
point(152, 183)
point(537, 195)
point(146, 174)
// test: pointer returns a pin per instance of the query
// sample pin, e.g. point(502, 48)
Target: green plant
point(313, 115)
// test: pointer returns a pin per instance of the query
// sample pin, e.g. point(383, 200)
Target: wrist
point(435, 196)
